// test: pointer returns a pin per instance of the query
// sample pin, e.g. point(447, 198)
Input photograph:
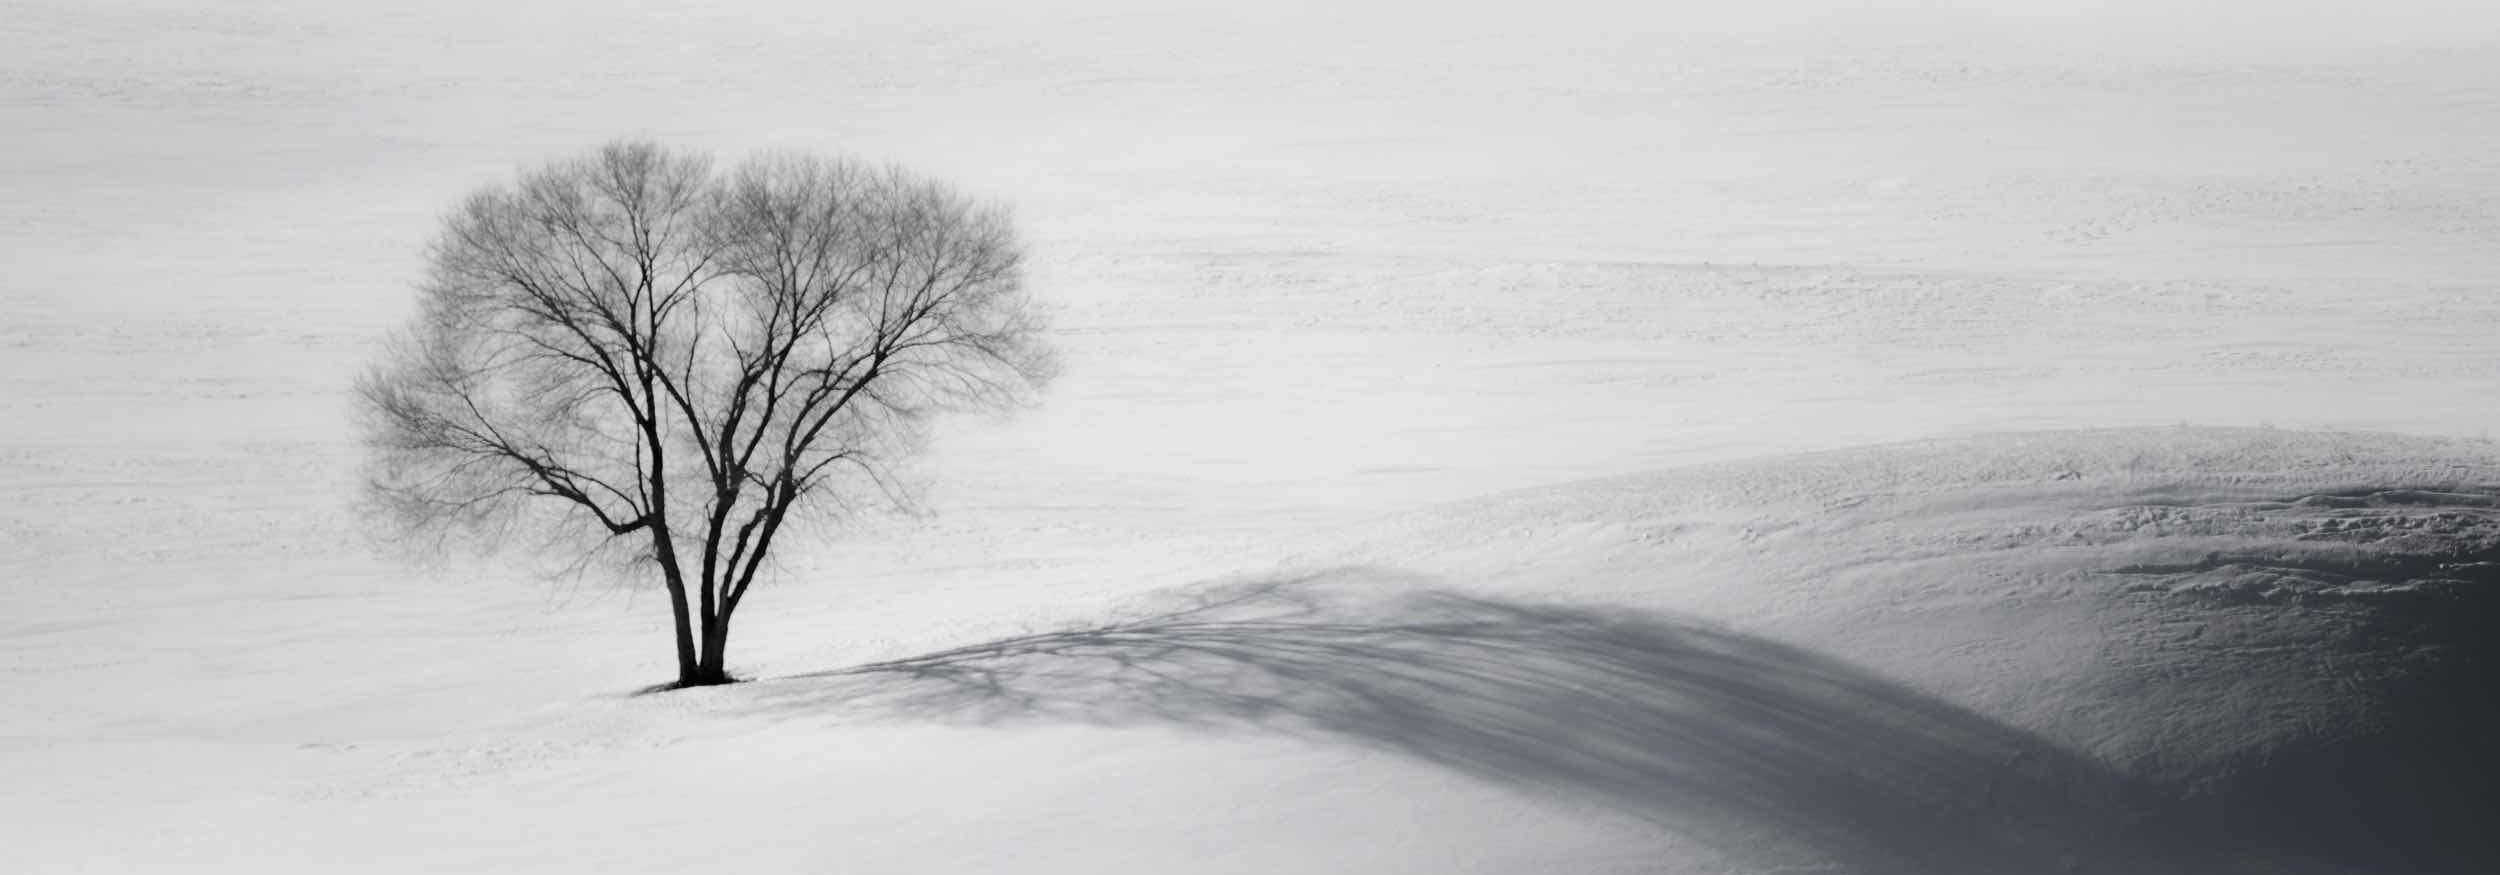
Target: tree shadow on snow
point(1776, 756)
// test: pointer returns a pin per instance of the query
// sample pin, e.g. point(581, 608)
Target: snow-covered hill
point(2291, 631)
point(2114, 651)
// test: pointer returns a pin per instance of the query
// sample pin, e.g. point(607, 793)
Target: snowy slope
point(2291, 630)
point(2119, 651)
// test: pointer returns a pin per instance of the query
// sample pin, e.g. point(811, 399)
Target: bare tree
point(660, 359)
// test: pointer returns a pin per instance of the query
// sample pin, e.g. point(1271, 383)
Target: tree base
point(723, 679)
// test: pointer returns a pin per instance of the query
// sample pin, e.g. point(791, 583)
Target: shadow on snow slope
point(1773, 755)
point(1787, 759)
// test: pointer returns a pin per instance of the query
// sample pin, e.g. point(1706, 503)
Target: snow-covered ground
point(1425, 448)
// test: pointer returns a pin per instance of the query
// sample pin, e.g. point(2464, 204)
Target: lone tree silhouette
point(631, 352)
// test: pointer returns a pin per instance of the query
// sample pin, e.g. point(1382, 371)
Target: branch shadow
point(1775, 756)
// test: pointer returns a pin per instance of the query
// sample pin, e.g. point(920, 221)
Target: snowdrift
point(2116, 651)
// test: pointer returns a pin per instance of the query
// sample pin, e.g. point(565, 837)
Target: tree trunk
point(689, 669)
point(713, 667)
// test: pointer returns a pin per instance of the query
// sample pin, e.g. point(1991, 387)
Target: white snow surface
point(1427, 465)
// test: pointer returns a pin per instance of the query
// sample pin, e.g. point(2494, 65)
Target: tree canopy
point(635, 348)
